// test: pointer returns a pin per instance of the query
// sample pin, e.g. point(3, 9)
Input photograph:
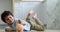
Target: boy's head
point(7, 17)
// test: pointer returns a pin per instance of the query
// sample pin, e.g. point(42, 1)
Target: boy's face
point(9, 19)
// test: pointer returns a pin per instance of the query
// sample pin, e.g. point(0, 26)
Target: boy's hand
point(9, 30)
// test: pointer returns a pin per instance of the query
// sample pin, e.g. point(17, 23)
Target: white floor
point(52, 31)
point(1, 30)
point(48, 31)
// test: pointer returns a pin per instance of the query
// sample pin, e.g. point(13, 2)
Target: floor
point(1, 30)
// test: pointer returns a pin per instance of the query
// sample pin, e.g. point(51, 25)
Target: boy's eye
point(10, 17)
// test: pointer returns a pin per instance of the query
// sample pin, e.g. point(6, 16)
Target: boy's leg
point(37, 26)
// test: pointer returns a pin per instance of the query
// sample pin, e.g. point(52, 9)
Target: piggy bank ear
point(19, 21)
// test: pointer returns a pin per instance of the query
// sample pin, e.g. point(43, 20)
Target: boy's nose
point(9, 19)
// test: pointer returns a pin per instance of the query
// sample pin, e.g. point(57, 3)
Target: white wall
point(21, 9)
point(48, 12)
point(52, 13)
point(5, 5)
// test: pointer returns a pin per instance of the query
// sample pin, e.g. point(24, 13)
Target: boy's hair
point(4, 14)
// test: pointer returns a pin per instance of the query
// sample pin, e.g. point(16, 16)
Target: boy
point(14, 25)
